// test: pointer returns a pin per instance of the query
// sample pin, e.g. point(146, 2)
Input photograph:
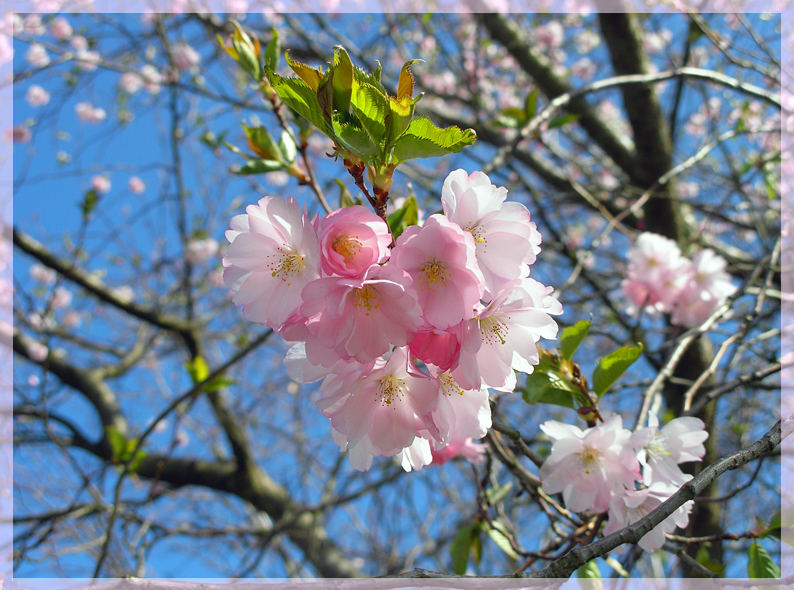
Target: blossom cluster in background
point(407, 336)
point(661, 279)
point(607, 468)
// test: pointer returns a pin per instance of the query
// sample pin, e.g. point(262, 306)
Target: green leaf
point(90, 200)
point(405, 216)
point(354, 140)
point(301, 98)
point(561, 120)
point(612, 366)
point(287, 147)
point(345, 198)
point(589, 571)
point(497, 495)
point(760, 564)
point(217, 383)
point(531, 104)
point(272, 51)
point(405, 86)
point(511, 117)
point(774, 527)
point(401, 112)
point(498, 534)
point(342, 79)
point(259, 167)
point(572, 336)
point(310, 76)
point(198, 369)
point(548, 388)
point(260, 141)
point(370, 107)
point(118, 444)
point(459, 548)
point(423, 139)
point(476, 544)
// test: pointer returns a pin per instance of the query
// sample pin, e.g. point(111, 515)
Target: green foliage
point(258, 167)
point(572, 336)
point(589, 571)
point(466, 539)
point(497, 495)
point(89, 203)
point(555, 380)
point(405, 216)
point(423, 139)
point(199, 371)
point(561, 120)
point(123, 448)
point(612, 366)
point(760, 564)
point(499, 535)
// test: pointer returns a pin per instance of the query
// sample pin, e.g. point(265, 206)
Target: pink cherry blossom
point(60, 28)
point(136, 185)
point(199, 250)
point(656, 272)
point(20, 134)
point(88, 113)
point(184, 56)
point(661, 450)
point(152, 79)
point(42, 274)
point(359, 319)
point(707, 287)
point(352, 240)
point(589, 466)
point(385, 407)
point(633, 505)
point(505, 240)
point(100, 183)
point(466, 448)
point(274, 253)
point(37, 56)
point(415, 456)
point(87, 60)
point(460, 414)
point(438, 347)
point(79, 43)
point(504, 337)
point(440, 257)
point(61, 298)
point(33, 25)
point(36, 96)
point(38, 352)
point(131, 82)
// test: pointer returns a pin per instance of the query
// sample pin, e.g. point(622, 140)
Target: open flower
point(589, 466)
point(504, 336)
point(352, 240)
point(634, 505)
point(440, 259)
point(358, 319)
point(273, 254)
point(660, 450)
point(387, 406)
point(505, 240)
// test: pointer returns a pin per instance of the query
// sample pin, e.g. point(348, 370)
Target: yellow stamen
point(366, 297)
point(448, 385)
point(493, 329)
point(434, 274)
point(285, 265)
point(590, 458)
point(346, 245)
point(390, 388)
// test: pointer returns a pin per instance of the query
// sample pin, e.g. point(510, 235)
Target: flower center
point(286, 264)
point(656, 449)
point(434, 273)
point(447, 384)
point(590, 458)
point(389, 388)
point(477, 232)
point(346, 245)
point(367, 298)
point(493, 330)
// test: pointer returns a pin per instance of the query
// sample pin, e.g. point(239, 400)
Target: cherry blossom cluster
point(407, 337)
point(607, 468)
point(661, 279)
